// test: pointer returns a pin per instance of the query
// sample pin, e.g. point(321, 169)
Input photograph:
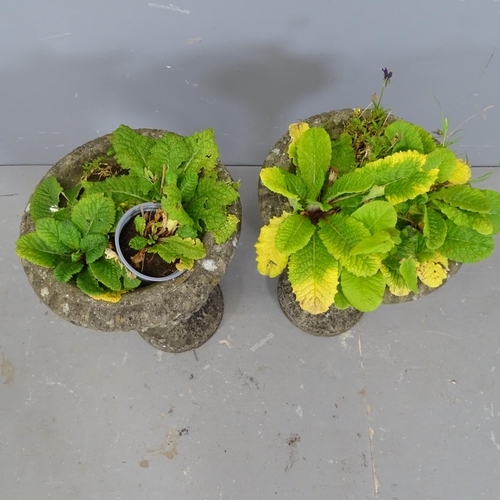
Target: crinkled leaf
point(169, 151)
point(125, 190)
point(180, 247)
point(479, 222)
point(434, 228)
point(464, 244)
point(428, 142)
point(171, 203)
point(270, 261)
point(187, 232)
point(203, 152)
point(408, 271)
point(48, 231)
point(376, 216)
point(494, 216)
point(462, 173)
point(313, 274)
point(343, 157)
point(31, 248)
point(131, 149)
point(94, 246)
point(433, 271)
point(87, 283)
point(464, 197)
point(69, 234)
point(365, 293)
point(358, 181)
point(408, 134)
point(380, 242)
point(45, 198)
point(444, 160)
point(188, 185)
point(130, 281)
point(107, 272)
point(294, 233)
point(138, 242)
point(340, 234)
point(226, 230)
point(64, 271)
point(94, 214)
point(314, 150)
point(395, 282)
point(295, 184)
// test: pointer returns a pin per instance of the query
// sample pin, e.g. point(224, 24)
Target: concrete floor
point(404, 406)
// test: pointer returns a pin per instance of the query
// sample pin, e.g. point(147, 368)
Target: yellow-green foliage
point(364, 222)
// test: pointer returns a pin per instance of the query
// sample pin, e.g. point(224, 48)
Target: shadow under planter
point(334, 321)
point(173, 316)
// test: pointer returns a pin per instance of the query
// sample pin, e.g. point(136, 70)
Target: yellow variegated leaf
point(314, 276)
point(434, 271)
point(270, 261)
point(462, 173)
point(395, 282)
point(110, 296)
point(295, 130)
point(184, 263)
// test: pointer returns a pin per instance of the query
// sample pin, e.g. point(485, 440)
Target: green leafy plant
point(157, 234)
point(382, 205)
point(74, 227)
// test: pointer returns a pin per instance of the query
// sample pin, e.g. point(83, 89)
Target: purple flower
point(387, 76)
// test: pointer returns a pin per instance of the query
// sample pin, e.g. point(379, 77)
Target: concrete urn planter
point(173, 316)
point(334, 321)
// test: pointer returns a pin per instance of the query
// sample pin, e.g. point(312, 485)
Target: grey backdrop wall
point(72, 70)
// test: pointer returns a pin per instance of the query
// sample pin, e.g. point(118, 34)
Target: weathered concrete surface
point(333, 322)
point(189, 332)
point(156, 306)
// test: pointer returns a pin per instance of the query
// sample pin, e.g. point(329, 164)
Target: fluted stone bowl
point(173, 316)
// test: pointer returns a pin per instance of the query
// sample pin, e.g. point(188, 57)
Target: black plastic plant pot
point(127, 217)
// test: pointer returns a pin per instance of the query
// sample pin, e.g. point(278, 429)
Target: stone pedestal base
point(190, 333)
point(333, 322)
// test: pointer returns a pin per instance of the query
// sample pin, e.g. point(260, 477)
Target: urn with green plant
point(364, 203)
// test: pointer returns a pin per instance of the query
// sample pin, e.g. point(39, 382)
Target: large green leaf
point(343, 157)
point(94, 246)
point(48, 230)
point(294, 233)
point(340, 234)
point(463, 244)
point(479, 222)
point(434, 228)
point(64, 271)
point(358, 181)
point(131, 149)
point(494, 215)
point(125, 190)
point(380, 242)
point(31, 248)
point(314, 150)
point(45, 198)
point(313, 274)
point(464, 197)
point(408, 270)
point(376, 216)
point(225, 231)
point(175, 247)
point(364, 293)
point(69, 234)
point(407, 136)
point(87, 283)
point(107, 272)
point(442, 159)
point(203, 154)
point(274, 179)
point(94, 214)
point(169, 151)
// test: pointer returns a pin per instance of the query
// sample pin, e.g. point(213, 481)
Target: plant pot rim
point(148, 206)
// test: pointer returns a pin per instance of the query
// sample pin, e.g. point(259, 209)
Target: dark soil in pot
point(148, 263)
